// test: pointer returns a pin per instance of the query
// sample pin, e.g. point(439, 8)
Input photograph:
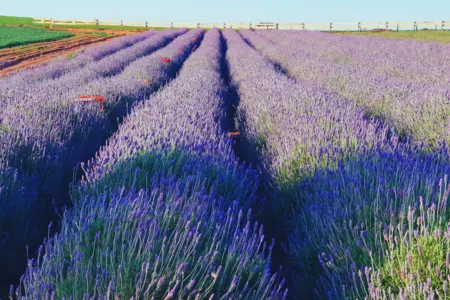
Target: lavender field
point(193, 164)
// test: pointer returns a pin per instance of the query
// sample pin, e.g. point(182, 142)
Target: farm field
point(11, 36)
point(11, 20)
point(16, 58)
point(439, 36)
point(193, 164)
point(38, 48)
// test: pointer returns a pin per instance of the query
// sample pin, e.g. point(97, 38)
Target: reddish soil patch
point(102, 30)
point(12, 59)
point(80, 31)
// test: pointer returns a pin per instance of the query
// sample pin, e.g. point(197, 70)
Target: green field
point(7, 20)
point(111, 27)
point(11, 36)
point(421, 35)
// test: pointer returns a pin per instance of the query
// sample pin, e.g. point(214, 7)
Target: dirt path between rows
point(13, 59)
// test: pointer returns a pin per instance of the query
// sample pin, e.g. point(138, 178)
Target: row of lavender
point(45, 134)
point(157, 215)
point(170, 166)
point(66, 64)
point(406, 60)
point(297, 127)
point(19, 192)
point(417, 110)
point(374, 222)
point(60, 86)
point(14, 84)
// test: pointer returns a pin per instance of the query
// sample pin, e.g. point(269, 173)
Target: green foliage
point(426, 255)
point(71, 56)
point(381, 222)
point(5, 128)
point(11, 36)
point(8, 20)
point(261, 143)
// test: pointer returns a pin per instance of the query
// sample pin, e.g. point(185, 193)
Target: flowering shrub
point(377, 225)
point(351, 152)
point(45, 135)
point(417, 109)
point(296, 128)
point(13, 83)
point(157, 214)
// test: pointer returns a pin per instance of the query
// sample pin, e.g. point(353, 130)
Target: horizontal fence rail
point(339, 26)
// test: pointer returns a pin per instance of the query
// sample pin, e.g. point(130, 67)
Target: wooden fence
point(354, 26)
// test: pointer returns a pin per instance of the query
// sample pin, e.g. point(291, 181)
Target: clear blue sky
point(232, 10)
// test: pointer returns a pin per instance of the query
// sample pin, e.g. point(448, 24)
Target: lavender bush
point(20, 99)
point(18, 199)
point(296, 127)
point(55, 133)
point(351, 151)
point(411, 61)
point(58, 132)
point(416, 110)
point(159, 217)
point(62, 65)
point(181, 125)
point(378, 226)
point(17, 189)
point(152, 244)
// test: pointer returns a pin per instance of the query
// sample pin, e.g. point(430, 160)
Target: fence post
point(51, 23)
point(415, 26)
point(171, 25)
point(146, 24)
point(224, 26)
point(121, 23)
point(331, 26)
point(303, 26)
point(442, 25)
point(398, 27)
point(276, 26)
point(359, 26)
point(387, 25)
point(96, 23)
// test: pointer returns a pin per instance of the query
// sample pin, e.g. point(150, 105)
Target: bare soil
point(101, 30)
point(13, 59)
